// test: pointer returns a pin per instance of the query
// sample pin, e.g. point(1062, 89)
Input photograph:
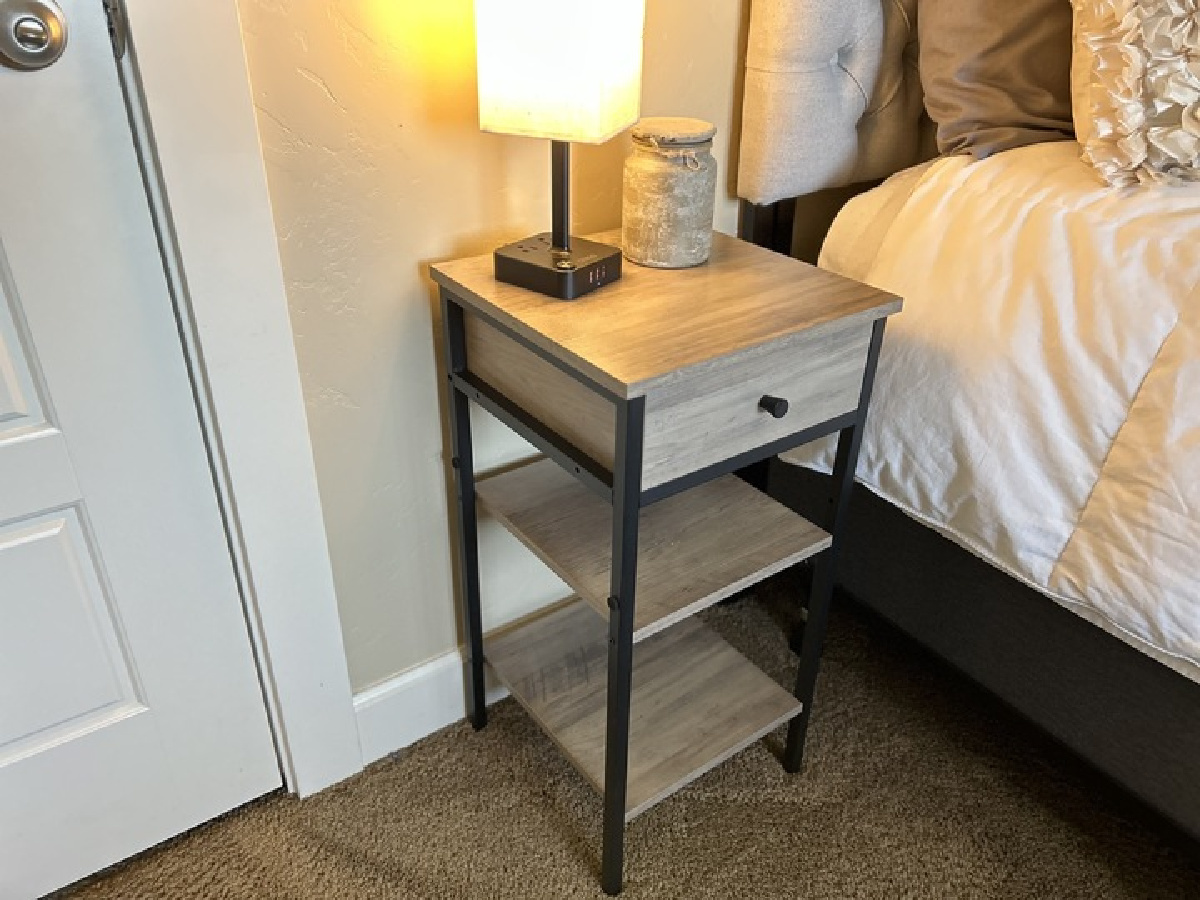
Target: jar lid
point(673, 131)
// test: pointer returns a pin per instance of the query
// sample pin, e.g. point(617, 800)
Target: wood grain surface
point(652, 323)
point(709, 412)
point(694, 548)
point(550, 395)
point(705, 414)
point(696, 701)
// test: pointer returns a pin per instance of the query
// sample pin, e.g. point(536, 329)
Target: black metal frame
point(463, 463)
point(592, 473)
point(627, 503)
point(824, 573)
point(622, 487)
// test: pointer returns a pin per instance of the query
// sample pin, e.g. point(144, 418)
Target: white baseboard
point(400, 711)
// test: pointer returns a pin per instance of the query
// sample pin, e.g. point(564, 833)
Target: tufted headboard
point(832, 96)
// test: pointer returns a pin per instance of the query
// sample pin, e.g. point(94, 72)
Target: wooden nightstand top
point(638, 332)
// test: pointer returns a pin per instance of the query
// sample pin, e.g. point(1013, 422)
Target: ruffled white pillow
point(1136, 89)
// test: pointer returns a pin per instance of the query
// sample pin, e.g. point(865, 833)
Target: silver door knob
point(33, 33)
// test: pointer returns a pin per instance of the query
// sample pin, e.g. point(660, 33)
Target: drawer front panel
point(712, 413)
point(558, 401)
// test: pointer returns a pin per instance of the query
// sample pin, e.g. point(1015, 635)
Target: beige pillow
point(996, 73)
point(1136, 89)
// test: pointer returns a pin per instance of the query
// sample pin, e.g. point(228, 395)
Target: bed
point(1029, 505)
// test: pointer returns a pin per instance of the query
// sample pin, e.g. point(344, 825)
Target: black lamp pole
point(557, 264)
point(560, 176)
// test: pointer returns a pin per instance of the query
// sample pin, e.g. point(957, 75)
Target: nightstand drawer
point(706, 414)
point(721, 409)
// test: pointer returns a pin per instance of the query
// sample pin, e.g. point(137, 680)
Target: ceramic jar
point(668, 193)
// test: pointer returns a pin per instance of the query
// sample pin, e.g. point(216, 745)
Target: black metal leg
point(627, 481)
point(468, 529)
point(757, 474)
point(813, 639)
point(810, 659)
point(796, 641)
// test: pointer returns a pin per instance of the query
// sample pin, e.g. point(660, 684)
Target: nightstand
point(645, 397)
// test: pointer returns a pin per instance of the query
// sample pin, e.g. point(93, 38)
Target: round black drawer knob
point(776, 406)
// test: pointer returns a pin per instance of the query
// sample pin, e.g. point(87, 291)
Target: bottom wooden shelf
point(696, 700)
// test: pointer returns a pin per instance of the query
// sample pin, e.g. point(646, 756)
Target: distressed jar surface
point(668, 193)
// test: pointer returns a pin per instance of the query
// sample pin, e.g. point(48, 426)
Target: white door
point(130, 707)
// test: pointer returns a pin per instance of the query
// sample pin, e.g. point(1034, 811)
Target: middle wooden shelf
point(694, 549)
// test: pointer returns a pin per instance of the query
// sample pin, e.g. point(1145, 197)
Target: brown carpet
point(917, 786)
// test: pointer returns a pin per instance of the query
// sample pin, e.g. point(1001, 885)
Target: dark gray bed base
point(1127, 714)
point(1130, 716)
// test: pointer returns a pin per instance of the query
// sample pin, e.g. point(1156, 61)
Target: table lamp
point(564, 70)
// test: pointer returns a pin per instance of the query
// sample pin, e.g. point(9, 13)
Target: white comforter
point(1038, 400)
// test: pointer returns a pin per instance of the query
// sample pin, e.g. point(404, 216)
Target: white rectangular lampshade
point(567, 70)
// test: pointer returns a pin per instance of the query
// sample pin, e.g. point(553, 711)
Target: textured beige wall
point(376, 168)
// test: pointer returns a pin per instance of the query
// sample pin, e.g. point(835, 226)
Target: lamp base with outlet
point(537, 265)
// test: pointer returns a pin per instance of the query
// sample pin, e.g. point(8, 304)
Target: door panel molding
point(44, 451)
point(90, 677)
point(21, 394)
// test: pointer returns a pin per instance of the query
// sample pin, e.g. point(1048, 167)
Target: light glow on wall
point(436, 39)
